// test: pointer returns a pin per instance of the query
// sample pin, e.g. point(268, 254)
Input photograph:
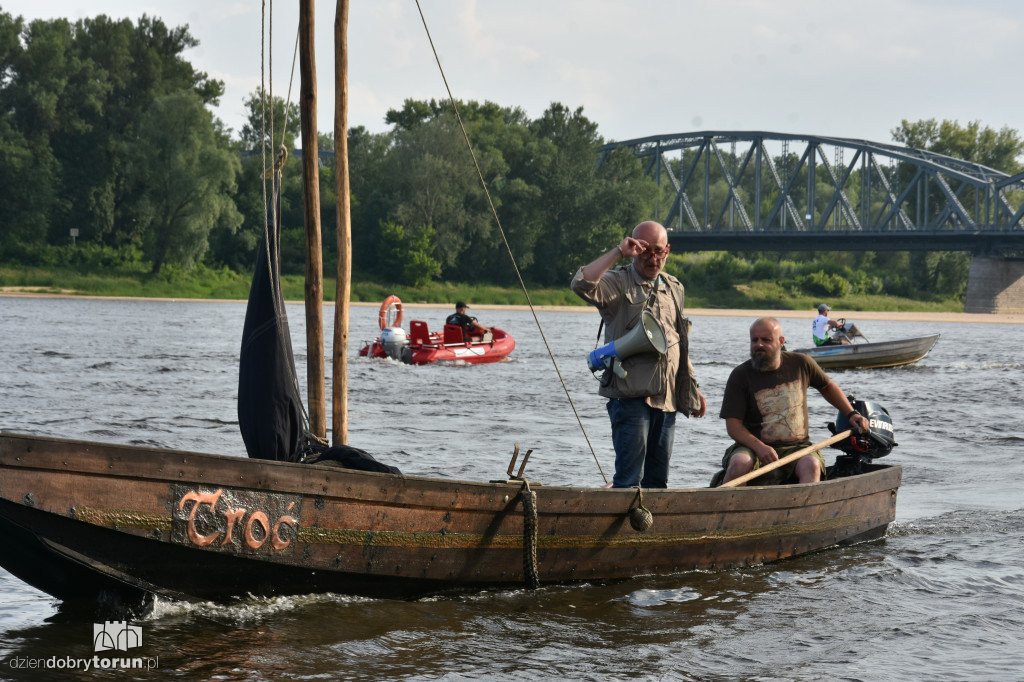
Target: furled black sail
point(270, 413)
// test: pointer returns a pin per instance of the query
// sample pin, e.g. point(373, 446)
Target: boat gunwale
point(332, 482)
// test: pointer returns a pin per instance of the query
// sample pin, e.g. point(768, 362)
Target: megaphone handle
point(617, 367)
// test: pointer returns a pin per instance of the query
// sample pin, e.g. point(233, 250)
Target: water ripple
point(940, 597)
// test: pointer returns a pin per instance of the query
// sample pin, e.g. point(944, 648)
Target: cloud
point(639, 68)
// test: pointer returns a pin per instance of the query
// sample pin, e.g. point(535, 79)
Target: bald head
point(651, 232)
point(768, 325)
point(655, 237)
point(766, 341)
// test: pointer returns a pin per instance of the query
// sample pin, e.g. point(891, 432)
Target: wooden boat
point(88, 521)
point(871, 355)
point(420, 346)
point(117, 524)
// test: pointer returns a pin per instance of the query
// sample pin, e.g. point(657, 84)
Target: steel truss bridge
point(764, 191)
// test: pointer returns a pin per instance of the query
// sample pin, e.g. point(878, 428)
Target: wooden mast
point(311, 199)
point(339, 396)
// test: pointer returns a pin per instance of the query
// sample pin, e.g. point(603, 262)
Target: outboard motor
point(861, 448)
point(846, 333)
point(395, 343)
point(851, 332)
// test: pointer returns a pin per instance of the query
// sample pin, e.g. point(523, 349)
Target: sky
point(638, 68)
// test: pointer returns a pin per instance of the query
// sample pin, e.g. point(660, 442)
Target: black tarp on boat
point(270, 414)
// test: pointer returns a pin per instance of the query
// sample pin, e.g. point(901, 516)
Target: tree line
point(106, 131)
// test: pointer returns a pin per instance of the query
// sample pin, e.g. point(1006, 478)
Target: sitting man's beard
point(764, 360)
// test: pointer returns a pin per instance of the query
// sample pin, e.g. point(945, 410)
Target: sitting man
point(821, 326)
point(470, 327)
point(765, 409)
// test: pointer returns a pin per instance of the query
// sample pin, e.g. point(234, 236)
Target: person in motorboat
point(643, 405)
point(821, 326)
point(471, 328)
point(765, 409)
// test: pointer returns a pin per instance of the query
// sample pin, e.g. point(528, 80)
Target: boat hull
point(871, 355)
point(85, 518)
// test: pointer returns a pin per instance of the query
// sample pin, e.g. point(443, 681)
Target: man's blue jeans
point(643, 439)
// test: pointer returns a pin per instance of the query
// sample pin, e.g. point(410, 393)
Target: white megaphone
point(646, 337)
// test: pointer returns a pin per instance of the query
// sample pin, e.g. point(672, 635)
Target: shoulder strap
point(677, 296)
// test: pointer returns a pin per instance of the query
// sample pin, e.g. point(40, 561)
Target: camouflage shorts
point(785, 473)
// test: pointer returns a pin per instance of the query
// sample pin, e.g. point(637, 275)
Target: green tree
point(134, 65)
point(541, 176)
point(584, 208)
point(406, 255)
point(412, 114)
point(945, 273)
point(189, 173)
point(73, 97)
point(237, 248)
point(274, 125)
point(505, 149)
point(35, 71)
point(432, 183)
point(369, 190)
point(1001, 150)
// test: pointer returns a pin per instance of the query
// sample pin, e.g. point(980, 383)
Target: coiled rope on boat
point(529, 536)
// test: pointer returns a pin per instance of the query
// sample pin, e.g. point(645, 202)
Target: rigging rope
point(275, 220)
point(263, 109)
point(508, 248)
point(288, 99)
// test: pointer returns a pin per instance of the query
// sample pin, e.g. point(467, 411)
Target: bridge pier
point(995, 285)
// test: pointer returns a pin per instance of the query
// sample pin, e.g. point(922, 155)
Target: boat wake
point(253, 609)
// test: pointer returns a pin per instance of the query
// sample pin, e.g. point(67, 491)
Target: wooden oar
point(802, 452)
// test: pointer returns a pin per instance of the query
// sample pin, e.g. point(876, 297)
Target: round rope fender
point(385, 313)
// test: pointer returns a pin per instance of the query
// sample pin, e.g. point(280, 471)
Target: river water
point(941, 597)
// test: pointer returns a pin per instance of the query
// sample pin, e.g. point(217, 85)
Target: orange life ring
point(385, 308)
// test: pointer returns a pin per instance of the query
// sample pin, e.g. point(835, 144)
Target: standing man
point(821, 325)
point(765, 408)
point(643, 405)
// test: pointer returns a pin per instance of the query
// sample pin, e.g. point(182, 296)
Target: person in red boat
point(470, 326)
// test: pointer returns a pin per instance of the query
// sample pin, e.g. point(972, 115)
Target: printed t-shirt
point(773, 405)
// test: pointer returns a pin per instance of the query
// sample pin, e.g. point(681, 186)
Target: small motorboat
point(420, 346)
point(845, 352)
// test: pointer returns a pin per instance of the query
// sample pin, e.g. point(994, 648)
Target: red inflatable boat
point(422, 346)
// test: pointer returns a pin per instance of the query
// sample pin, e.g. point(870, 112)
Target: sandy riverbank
point(993, 318)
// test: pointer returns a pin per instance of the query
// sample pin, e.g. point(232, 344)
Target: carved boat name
point(235, 521)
